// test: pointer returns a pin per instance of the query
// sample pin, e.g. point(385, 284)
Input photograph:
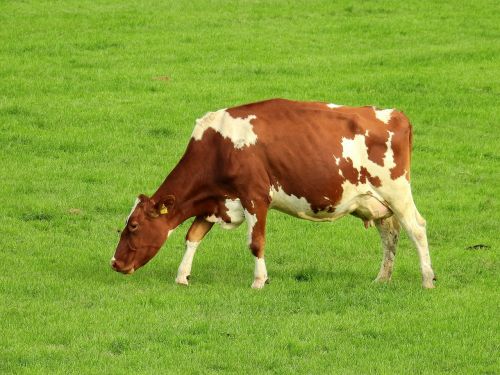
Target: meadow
point(97, 103)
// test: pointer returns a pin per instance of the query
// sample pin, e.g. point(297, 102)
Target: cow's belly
point(363, 203)
point(299, 206)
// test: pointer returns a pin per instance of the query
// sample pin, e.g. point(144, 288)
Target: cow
point(312, 160)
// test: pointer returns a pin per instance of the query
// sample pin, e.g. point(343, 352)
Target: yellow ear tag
point(163, 210)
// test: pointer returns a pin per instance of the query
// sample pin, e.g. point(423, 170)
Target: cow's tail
point(410, 147)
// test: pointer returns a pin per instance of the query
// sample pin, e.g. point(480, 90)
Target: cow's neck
point(188, 183)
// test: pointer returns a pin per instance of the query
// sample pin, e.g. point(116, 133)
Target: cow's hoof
point(428, 284)
point(382, 279)
point(259, 283)
point(182, 280)
point(428, 279)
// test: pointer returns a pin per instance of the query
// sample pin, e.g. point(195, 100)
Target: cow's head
point(146, 229)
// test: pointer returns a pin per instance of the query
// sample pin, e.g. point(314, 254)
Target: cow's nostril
point(113, 263)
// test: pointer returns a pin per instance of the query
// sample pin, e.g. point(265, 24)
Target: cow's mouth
point(129, 271)
point(125, 271)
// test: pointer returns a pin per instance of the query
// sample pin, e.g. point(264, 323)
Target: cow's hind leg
point(195, 234)
point(389, 234)
point(414, 224)
point(255, 215)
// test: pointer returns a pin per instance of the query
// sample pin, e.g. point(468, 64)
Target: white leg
point(414, 225)
point(199, 228)
point(260, 274)
point(389, 235)
point(256, 221)
point(401, 203)
point(187, 261)
point(419, 237)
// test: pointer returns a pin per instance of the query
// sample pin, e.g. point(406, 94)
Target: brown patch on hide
point(348, 170)
point(375, 181)
point(364, 176)
point(401, 146)
point(376, 147)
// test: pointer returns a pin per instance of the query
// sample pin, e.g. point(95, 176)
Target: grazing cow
point(312, 160)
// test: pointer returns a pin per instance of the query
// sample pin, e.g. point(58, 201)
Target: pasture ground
point(97, 102)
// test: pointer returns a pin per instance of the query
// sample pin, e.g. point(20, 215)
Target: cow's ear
point(165, 205)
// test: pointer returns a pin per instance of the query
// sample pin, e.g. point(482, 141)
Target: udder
point(369, 209)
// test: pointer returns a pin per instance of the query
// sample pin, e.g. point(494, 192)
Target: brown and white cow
point(312, 160)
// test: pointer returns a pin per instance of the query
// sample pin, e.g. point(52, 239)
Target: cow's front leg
point(195, 234)
point(256, 221)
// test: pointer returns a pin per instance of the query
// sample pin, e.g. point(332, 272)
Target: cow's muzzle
point(115, 265)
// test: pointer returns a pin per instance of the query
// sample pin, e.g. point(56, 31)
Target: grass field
point(97, 103)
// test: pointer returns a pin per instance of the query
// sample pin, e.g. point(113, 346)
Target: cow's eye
point(133, 226)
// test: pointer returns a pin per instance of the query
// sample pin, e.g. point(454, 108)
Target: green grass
point(86, 125)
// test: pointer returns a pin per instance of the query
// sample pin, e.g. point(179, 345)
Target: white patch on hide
point(354, 195)
point(235, 213)
point(356, 150)
point(383, 115)
point(332, 105)
point(297, 206)
point(234, 210)
point(238, 130)
point(288, 203)
point(251, 221)
point(213, 219)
